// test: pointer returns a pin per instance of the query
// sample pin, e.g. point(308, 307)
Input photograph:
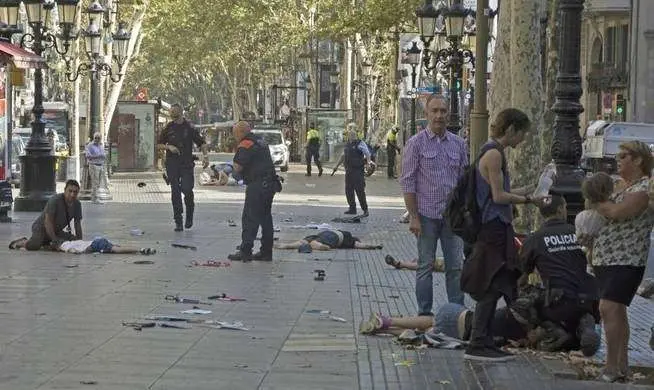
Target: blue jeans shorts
point(101, 245)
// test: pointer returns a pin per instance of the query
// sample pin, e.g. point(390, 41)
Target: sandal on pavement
point(390, 260)
point(12, 245)
point(375, 323)
point(147, 251)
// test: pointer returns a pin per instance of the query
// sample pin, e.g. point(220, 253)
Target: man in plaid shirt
point(433, 161)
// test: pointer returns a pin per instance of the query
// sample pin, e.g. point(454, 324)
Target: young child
point(596, 189)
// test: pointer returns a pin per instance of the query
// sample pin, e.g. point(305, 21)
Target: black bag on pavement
point(462, 213)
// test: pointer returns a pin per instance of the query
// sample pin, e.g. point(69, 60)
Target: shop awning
point(20, 57)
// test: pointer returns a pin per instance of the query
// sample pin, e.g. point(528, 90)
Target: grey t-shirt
point(61, 212)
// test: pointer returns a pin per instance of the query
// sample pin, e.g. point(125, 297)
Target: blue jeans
point(434, 230)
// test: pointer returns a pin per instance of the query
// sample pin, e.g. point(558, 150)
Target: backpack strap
point(474, 174)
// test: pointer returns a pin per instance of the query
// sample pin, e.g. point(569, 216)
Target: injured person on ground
point(326, 240)
point(98, 245)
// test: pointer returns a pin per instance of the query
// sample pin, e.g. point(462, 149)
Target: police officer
point(177, 139)
point(571, 295)
point(356, 157)
point(391, 149)
point(253, 162)
point(313, 149)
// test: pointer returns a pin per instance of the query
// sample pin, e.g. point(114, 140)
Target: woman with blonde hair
point(620, 252)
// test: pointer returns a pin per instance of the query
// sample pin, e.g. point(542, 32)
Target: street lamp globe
point(427, 15)
point(95, 11)
point(455, 19)
point(413, 54)
point(121, 44)
point(93, 39)
point(366, 67)
point(10, 11)
point(67, 12)
point(37, 10)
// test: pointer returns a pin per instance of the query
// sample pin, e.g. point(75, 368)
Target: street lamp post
point(566, 141)
point(38, 164)
point(413, 58)
point(452, 57)
point(96, 67)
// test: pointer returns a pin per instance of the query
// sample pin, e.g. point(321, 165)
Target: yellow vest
point(312, 133)
point(391, 136)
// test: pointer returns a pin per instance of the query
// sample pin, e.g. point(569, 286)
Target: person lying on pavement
point(98, 245)
point(329, 239)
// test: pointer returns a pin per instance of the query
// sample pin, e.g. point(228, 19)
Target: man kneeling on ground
point(328, 239)
point(98, 245)
point(571, 295)
point(53, 226)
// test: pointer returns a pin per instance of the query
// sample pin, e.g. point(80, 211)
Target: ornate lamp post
point(38, 163)
point(413, 58)
point(566, 141)
point(451, 58)
point(96, 67)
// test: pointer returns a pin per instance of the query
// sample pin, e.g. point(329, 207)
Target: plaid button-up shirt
point(431, 167)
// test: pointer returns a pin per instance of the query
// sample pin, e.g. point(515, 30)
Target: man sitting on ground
point(328, 239)
point(98, 245)
point(570, 297)
point(53, 226)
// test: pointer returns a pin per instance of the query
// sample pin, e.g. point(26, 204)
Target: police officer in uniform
point(253, 162)
point(570, 306)
point(356, 156)
point(313, 149)
point(177, 139)
point(391, 149)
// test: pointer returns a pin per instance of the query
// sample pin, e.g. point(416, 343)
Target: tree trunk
point(516, 83)
point(550, 79)
point(114, 91)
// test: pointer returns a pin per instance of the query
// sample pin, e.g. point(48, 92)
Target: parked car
point(278, 146)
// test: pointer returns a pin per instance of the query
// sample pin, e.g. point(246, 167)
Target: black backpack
point(462, 213)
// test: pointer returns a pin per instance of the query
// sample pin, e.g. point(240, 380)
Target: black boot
point(351, 212)
point(189, 218)
point(319, 168)
point(240, 256)
point(589, 339)
point(262, 256)
point(178, 224)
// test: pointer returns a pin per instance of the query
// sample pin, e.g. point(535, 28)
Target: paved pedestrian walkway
point(61, 315)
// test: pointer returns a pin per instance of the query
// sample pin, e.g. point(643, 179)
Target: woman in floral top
point(620, 252)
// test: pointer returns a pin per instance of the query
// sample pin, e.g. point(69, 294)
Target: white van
point(602, 141)
point(274, 137)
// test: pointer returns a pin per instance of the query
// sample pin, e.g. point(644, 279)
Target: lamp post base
point(37, 183)
point(567, 183)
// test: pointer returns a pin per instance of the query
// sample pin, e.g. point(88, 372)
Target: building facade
point(617, 61)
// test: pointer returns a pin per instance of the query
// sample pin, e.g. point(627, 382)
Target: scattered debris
point(140, 325)
point(184, 246)
point(287, 220)
point(405, 363)
point(310, 185)
point(225, 298)
point(211, 263)
point(192, 301)
point(319, 275)
point(136, 232)
point(196, 311)
point(237, 325)
point(326, 315)
point(240, 365)
point(394, 296)
point(71, 265)
point(143, 262)
point(313, 200)
point(231, 223)
point(88, 382)
point(174, 325)
point(443, 382)
point(321, 226)
point(141, 184)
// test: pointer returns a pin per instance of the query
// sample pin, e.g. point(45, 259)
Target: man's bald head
point(240, 129)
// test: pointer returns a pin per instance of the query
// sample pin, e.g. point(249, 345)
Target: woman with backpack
point(491, 271)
